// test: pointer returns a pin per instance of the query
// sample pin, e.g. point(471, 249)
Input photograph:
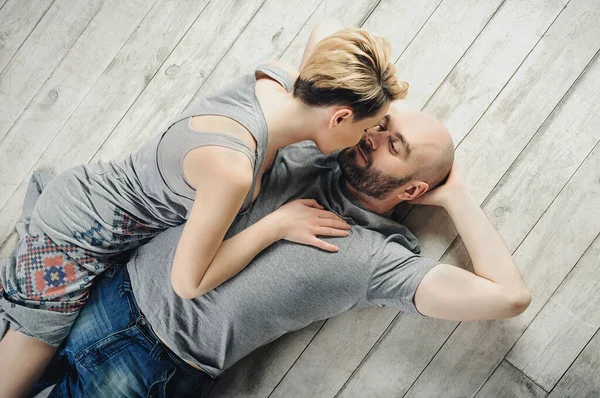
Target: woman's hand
point(453, 189)
point(302, 220)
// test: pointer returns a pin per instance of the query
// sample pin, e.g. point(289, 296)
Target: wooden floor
point(518, 84)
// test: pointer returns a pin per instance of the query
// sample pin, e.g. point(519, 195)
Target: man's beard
point(366, 179)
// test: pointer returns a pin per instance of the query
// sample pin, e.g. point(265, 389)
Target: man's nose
point(373, 138)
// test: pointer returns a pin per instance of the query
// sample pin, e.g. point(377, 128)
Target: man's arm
point(496, 289)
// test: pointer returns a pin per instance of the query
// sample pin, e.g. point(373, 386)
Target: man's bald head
point(406, 154)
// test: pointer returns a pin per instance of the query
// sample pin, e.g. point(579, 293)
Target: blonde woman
point(204, 168)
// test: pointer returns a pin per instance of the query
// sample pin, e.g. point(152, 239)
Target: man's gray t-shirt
point(288, 285)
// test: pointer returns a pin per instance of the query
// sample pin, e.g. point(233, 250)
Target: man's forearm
point(489, 254)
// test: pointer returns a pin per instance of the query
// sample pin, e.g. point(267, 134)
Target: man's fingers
point(321, 244)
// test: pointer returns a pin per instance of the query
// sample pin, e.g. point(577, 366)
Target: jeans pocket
point(122, 365)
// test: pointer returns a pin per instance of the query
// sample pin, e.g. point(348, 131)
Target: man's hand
point(453, 189)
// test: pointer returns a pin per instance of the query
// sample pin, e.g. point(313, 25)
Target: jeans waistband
point(142, 322)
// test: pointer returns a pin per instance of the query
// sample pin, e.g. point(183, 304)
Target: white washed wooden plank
point(257, 374)
point(17, 19)
point(508, 382)
point(267, 35)
point(582, 379)
point(545, 257)
point(493, 58)
point(564, 326)
point(62, 93)
point(348, 13)
point(38, 57)
point(167, 93)
point(441, 43)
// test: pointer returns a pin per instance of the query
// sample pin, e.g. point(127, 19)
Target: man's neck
point(378, 206)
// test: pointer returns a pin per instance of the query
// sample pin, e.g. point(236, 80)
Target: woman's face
point(343, 132)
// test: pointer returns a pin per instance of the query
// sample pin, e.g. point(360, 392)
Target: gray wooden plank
point(18, 18)
point(547, 254)
point(39, 55)
point(62, 93)
point(176, 81)
point(398, 358)
point(564, 326)
point(268, 35)
point(257, 374)
point(311, 366)
point(440, 45)
point(458, 102)
point(582, 380)
point(508, 382)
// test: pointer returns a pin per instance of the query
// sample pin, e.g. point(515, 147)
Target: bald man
point(136, 337)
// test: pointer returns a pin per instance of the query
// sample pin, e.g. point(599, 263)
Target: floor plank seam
point(58, 64)
point(362, 22)
point(538, 131)
point(299, 30)
point(86, 94)
point(575, 360)
point(512, 75)
point(28, 35)
point(431, 360)
point(417, 34)
point(296, 360)
point(463, 54)
point(546, 303)
point(525, 375)
point(224, 54)
point(368, 354)
point(188, 104)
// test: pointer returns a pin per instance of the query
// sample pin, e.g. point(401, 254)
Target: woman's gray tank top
point(159, 163)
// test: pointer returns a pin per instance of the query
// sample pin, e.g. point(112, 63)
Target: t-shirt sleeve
point(397, 272)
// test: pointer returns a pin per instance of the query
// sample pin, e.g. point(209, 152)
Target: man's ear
point(339, 116)
point(413, 190)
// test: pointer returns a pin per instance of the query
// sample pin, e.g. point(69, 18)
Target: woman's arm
point(323, 29)
point(203, 260)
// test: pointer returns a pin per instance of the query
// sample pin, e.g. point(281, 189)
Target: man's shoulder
point(305, 152)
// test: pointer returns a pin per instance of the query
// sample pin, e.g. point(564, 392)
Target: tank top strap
point(279, 74)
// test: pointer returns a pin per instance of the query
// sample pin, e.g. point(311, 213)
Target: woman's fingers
point(328, 214)
point(321, 244)
point(328, 222)
point(311, 203)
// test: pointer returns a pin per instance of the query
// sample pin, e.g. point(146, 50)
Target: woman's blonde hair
point(352, 68)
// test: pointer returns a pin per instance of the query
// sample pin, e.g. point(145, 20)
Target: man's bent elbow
point(519, 301)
